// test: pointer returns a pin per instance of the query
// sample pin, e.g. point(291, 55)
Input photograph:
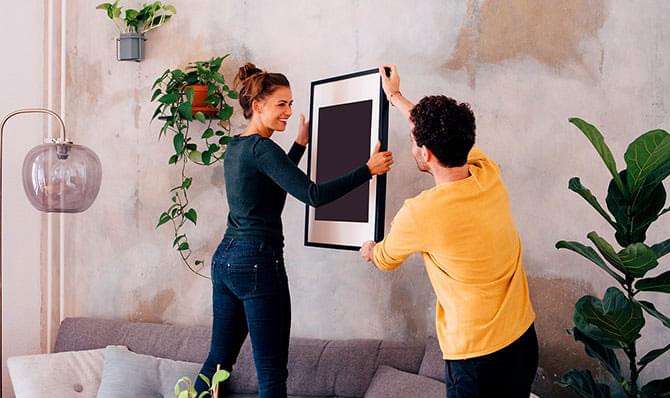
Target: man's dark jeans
point(507, 373)
point(250, 295)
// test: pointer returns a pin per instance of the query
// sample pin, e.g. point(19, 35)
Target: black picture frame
point(349, 93)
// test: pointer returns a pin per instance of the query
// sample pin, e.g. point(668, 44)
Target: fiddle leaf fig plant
point(193, 106)
point(150, 16)
point(609, 328)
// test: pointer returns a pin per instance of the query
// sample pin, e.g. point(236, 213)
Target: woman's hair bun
point(246, 71)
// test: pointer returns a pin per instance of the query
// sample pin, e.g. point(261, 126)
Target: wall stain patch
point(152, 310)
point(548, 31)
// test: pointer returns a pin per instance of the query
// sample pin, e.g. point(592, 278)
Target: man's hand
point(390, 84)
point(303, 131)
point(367, 251)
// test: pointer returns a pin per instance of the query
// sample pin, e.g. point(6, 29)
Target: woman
point(250, 287)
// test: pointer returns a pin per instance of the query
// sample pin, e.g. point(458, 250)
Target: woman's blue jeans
point(250, 295)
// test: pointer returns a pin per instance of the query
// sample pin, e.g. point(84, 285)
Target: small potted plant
point(189, 101)
point(184, 387)
point(134, 24)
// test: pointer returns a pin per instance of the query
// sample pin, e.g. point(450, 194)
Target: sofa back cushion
point(63, 374)
point(341, 368)
point(389, 382)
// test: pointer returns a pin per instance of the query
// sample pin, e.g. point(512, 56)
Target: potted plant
point(195, 137)
point(134, 24)
point(635, 200)
point(184, 387)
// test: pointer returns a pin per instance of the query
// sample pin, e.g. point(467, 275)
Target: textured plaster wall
point(525, 66)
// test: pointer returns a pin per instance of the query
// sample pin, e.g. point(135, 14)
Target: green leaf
point(596, 138)
point(173, 159)
point(224, 140)
point(186, 184)
point(226, 112)
point(207, 134)
point(575, 185)
point(590, 254)
point(232, 94)
point(206, 157)
point(185, 111)
point(178, 143)
point(594, 349)
point(660, 283)
point(661, 249)
point(191, 147)
point(183, 246)
point(583, 384)
point(169, 98)
point(634, 214)
point(657, 389)
point(606, 250)
point(177, 239)
point(163, 219)
point(199, 116)
point(638, 259)
point(192, 215)
point(190, 92)
point(195, 156)
point(156, 113)
point(205, 379)
point(156, 93)
point(651, 310)
point(614, 322)
point(219, 376)
point(645, 155)
point(652, 355)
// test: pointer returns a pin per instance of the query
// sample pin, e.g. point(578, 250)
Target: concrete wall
point(525, 66)
point(22, 77)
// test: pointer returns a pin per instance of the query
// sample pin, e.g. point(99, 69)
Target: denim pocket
point(242, 277)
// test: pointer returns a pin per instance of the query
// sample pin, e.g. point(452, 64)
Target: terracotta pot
point(199, 104)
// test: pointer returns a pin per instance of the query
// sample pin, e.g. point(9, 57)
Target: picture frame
point(348, 115)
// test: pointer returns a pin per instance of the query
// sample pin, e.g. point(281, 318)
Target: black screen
point(344, 145)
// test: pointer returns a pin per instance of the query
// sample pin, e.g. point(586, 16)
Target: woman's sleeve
point(296, 152)
point(273, 162)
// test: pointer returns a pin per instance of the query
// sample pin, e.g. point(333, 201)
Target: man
point(464, 230)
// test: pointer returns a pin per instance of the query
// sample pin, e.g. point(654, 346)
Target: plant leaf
point(163, 219)
point(169, 98)
point(582, 383)
point(638, 259)
point(660, 283)
point(606, 356)
point(590, 254)
point(173, 159)
point(606, 250)
point(575, 185)
point(208, 133)
point(661, 249)
point(614, 322)
point(646, 154)
point(657, 389)
point(186, 184)
point(177, 239)
point(183, 246)
point(232, 94)
point(651, 355)
point(651, 310)
point(185, 111)
point(195, 156)
point(220, 376)
point(192, 215)
point(596, 138)
point(226, 112)
point(178, 143)
point(199, 116)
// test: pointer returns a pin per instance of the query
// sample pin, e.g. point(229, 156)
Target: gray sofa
point(317, 368)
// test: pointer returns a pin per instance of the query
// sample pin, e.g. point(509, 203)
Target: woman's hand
point(380, 162)
point(390, 84)
point(303, 131)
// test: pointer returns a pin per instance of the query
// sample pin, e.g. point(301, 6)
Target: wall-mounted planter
point(130, 47)
point(199, 96)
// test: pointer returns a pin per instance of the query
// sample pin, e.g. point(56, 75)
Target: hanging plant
point(192, 104)
point(133, 24)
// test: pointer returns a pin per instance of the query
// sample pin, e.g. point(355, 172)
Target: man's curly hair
point(445, 127)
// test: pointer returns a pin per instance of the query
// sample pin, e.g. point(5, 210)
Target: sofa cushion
point(389, 382)
point(432, 364)
point(62, 374)
point(127, 374)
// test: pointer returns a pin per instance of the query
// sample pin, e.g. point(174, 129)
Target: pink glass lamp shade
point(61, 177)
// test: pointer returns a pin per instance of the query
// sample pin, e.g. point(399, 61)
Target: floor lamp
point(58, 177)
